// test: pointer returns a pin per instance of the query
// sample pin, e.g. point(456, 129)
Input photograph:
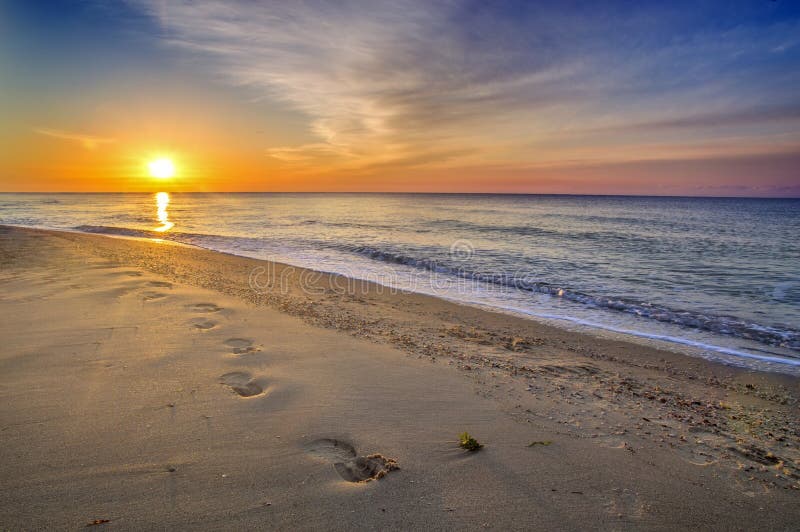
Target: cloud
point(90, 142)
point(452, 82)
point(302, 153)
point(725, 118)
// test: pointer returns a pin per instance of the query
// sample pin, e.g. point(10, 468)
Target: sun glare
point(161, 168)
point(162, 202)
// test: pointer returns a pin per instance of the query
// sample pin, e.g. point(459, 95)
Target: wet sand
point(149, 385)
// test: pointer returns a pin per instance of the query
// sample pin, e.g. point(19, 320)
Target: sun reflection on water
point(162, 202)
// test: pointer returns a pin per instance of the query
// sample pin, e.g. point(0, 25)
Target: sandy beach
point(151, 385)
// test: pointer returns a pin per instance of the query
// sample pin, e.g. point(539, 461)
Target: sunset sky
point(701, 98)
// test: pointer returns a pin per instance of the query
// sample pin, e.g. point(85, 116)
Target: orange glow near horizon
point(206, 158)
point(220, 151)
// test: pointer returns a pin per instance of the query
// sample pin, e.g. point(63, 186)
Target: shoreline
point(157, 371)
point(331, 284)
point(721, 354)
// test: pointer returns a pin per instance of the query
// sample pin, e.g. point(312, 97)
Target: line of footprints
point(341, 454)
point(240, 382)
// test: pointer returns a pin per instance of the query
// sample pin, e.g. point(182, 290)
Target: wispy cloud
point(90, 142)
point(410, 83)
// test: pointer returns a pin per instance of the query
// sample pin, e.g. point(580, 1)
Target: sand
point(148, 385)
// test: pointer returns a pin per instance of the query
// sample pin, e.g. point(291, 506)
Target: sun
point(161, 168)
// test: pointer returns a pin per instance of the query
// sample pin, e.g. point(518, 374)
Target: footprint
point(242, 383)
point(99, 264)
point(366, 468)
point(331, 450)
point(129, 273)
point(351, 467)
point(153, 296)
point(702, 459)
point(611, 441)
point(625, 504)
point(204, 307)
point(203, 324)
point(121, 291)
point(241, 346)
point(160, 284)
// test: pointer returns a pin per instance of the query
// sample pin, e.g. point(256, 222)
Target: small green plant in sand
point(465, 441)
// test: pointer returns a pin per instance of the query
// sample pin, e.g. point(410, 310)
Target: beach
point(149, 384)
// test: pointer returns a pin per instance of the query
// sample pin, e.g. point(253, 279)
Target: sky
point(657, 98)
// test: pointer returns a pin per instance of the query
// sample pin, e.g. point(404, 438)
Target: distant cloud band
point(90, 142)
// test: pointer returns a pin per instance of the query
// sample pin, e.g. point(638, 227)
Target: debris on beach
point(469, 443)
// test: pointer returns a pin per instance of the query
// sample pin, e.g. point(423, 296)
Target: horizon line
point(414, 193)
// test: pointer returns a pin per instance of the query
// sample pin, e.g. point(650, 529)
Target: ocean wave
point(519, 280)
point(725, 325)
point(119, 231)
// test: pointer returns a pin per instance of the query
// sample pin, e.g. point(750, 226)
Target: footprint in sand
point(160, 284)
point(128, 273)
point(348, 464)
point(241, 346)
point(204, 307)
point(242, 383)
point(121, 291)
point(153, 296)
point(625, 504)
point(99, 264)
point(202, 323)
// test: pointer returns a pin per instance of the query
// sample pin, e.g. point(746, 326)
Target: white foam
point(661, 337)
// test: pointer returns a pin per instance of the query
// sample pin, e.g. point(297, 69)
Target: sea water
point(713, 277)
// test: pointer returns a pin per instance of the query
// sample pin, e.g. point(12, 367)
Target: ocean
point(713, 277)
